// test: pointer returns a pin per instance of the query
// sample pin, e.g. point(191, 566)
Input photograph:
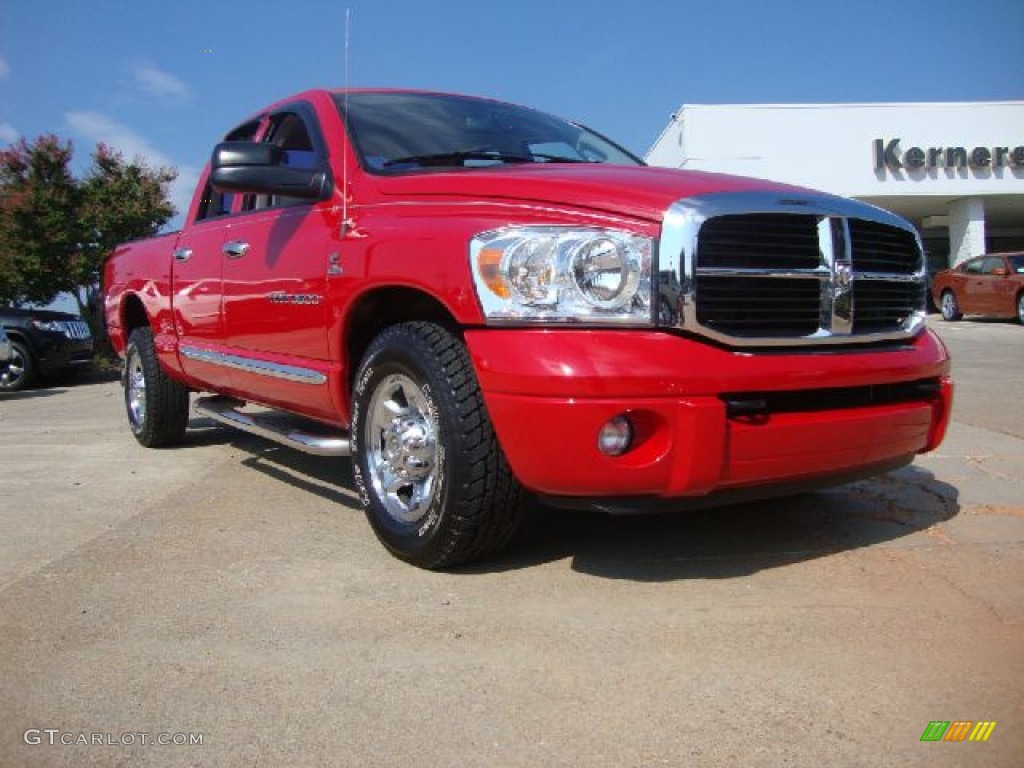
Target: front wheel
point(949, 307)
point(20, 372)
point(431, 476)
point(157, 405)
point(1020, 308)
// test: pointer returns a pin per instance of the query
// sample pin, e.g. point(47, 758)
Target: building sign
point(890, 156)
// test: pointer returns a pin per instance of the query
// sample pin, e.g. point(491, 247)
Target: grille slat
point(882, 306)
point(758, 306)
point(760, 240)
point(75, 329)
point(879, 248)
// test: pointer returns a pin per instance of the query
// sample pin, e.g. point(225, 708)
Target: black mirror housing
point(255, 168)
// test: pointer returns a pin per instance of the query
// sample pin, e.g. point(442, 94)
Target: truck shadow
point(722, 543)
point(736, 540)
point(328, 477)
point(61, 384)
point(30, 394)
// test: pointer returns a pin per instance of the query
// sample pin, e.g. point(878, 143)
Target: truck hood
point(636, 191)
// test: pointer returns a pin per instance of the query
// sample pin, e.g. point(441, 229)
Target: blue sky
point(166, 79)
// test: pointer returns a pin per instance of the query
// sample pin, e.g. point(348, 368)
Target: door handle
point(182, 254)
point(235, 249)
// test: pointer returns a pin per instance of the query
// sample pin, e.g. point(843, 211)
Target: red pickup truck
point(476, 300)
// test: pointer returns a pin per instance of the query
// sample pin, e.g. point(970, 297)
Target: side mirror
point(1000, 272)
point(245, 166)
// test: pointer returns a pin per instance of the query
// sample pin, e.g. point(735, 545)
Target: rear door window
point(292, 132)
point(214, 203)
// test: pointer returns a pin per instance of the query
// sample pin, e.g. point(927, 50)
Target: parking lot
point(230, 592)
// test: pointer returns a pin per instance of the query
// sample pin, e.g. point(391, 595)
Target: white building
point(955, 170)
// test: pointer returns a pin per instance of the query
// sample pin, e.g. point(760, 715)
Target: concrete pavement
point(230, 591)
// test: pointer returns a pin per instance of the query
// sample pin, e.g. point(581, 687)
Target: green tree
point(56, 231)
point(39, 204)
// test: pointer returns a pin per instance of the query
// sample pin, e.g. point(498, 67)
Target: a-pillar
point(966, 229)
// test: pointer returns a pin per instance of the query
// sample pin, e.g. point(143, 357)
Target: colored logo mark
point(958, 730)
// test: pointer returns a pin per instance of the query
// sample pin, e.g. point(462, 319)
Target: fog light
point(615, 437)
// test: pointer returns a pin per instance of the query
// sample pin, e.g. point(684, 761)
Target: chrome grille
point(756, 269)
point(75, 329)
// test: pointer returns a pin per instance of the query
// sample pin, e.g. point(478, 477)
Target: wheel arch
point(22, 337)
point(133, 314)
point(381, 308)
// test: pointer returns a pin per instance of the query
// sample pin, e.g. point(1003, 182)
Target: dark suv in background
point(43, 343)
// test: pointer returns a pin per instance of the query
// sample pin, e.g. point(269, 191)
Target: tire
point(21, 372)
point(429, 471)
point(1020, 307)
point(157, 405)
point(949, 307)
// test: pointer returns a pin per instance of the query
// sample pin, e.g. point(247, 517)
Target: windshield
point(403, 132)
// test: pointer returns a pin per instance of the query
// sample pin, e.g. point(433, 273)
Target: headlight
point(563, 274)
point(48, 325)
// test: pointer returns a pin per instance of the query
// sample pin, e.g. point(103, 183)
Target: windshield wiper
point(458, 158)
point(560, 158)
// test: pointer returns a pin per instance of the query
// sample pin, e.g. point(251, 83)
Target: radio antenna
point(348, 143)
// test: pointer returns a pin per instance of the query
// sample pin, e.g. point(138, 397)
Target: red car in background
point(992, 284)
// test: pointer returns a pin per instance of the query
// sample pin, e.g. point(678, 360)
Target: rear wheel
point(430, 474)
point(20, 372)
point(157, 405)
point(1020, 308)
point(949, 307)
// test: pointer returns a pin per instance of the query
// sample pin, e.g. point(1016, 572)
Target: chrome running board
point(278, 426)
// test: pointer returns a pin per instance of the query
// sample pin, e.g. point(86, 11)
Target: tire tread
point(487, 507)
point(166, 399)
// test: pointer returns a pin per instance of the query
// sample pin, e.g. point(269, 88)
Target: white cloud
point(5, 68)
point(97, 127)
point(159, 83)
point(183, 187)
point(8, 133)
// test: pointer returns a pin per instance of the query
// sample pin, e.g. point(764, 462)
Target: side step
point(280, 427)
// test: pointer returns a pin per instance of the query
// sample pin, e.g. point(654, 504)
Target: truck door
point(275, 282)
point(197, 266)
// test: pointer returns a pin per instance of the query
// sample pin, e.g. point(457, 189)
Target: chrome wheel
point(135, 391)
point(1020, 309)
point(15, 371)
point(19, 373)
point(949, 307)
point(401, 445)
point(156, 405)
point(426, 463)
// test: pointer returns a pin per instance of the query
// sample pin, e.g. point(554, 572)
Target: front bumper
point(58, 353)
point(549, 392)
